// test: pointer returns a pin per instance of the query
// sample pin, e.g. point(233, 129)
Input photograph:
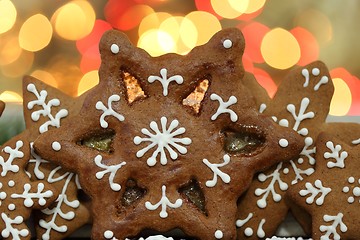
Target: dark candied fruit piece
point(132, 193)
point(193, 192)
point(100, 140)
point(197, 96)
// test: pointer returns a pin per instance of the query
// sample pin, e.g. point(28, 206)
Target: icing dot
point(248, 232)
point(300, 161)
point(114, 48)
point(315, 71)
point(283, 142)
point(356, 191)
point(286, 171)
point(219, 234)
point(351, 199)
point(11, 183)
point(2, 195)
point(11, 207)
point(351, 179)
point(108, 234)
point(227, 43)
point(56, 146)
point(346, 189)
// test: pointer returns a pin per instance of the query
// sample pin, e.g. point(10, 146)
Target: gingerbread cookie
point(168, 142)
point(331, 194)
point(45, 108)
point(301, 103)
point(2, 107)
point(18, 194)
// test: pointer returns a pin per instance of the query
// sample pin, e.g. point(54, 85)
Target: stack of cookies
point(191, 142)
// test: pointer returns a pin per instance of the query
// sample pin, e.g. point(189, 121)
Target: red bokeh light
point(247, 63)
point(309, 46)
point(205, 5)
point(265, 80)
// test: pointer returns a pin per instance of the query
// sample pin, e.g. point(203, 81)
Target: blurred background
point(57, 41)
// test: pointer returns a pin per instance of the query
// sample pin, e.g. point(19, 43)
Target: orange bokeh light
point(309, 46)
point(254, 34)
point(265, 80)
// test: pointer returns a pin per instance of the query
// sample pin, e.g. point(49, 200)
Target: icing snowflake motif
point(29, 196)
point(275, 178)
point(315, 72)
point(108, 169)
point(217, 172)
point(46, 109)
point(16, 234)
point(164, 140)
point(109, 111)
point(336, 154)
point(314, 191)
point(165, 81)
point(249, 231)
point(355, 191)
point(223, 107)
point(7, 165)
point(331, 230)
point(60, 201)
point(164, 203)
point(37, 160)
point(301, 115)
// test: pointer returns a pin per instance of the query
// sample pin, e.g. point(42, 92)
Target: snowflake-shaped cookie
point(192, 146)
point(302, 103)
point(46, 108)
point(337, 215)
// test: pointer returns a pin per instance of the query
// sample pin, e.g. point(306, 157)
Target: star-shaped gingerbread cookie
point(168, 142)
point(2, 107)
point(45, 108)
point(302, 103)
point(332, 194)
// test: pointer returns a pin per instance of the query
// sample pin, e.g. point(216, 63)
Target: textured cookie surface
point(168, 142)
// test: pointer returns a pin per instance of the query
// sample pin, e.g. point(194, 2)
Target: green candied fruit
point(99, 143)
point(242, 142)
point(195, 195)
point(132, 193)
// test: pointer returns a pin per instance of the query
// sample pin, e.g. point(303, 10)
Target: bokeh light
point(229, 8)
point(8, 15)
point(254, 34)
point(132, 17)
point(265, 80)
point(45, 77)
point(280, 49)
point(254, 5)
point(36, 33)
point(20, 66)
point(206, 6)
point(10, 97)
point(74, 20)
point(247, 63)
point(10, 50)
point(152, 21)
point(309, 47)
point(157, 42)
point(88, 81)
point(341, 101)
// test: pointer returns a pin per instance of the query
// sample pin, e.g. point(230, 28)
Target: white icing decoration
point(3, 195)
point(356, 142)
point(315, 72)
point(249, 231)
point(355, 190)
point(227, 43)
point(217, 172)
point(57, 211)
point(283, 142)
point(336, 154)
point(114, 48)
point(260, 231)
point(314, 191)
point(108, 169)
point(109, 111)
point(29, 196)
point(262, 108)
point(242, 222)
point(16, 234)
point(223, 107)
point(331, 229)
point(165, 81)
point(7, 165)
point(163, 140)
point(301, 116)
point(56, 146)
point(219, 234)
point(108, 234)
point(155, 237)
point(37, 160)
point(11, 183)
point(11, 207)
point(275, 177)
point(164, 203)
point(46, 109)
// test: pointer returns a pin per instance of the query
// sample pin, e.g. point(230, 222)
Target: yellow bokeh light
point(45, 77)
point(7, 15)
point(74, 20)
point(36, 33)
point(206, 24)
point(280, 49)
point(10, 50)
point(19, 67)
point(157, 42)
point(152, 21)
point(341, 101)
point(254, 5)
point(88, 81)
point(10, 97)
point(229, 8)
